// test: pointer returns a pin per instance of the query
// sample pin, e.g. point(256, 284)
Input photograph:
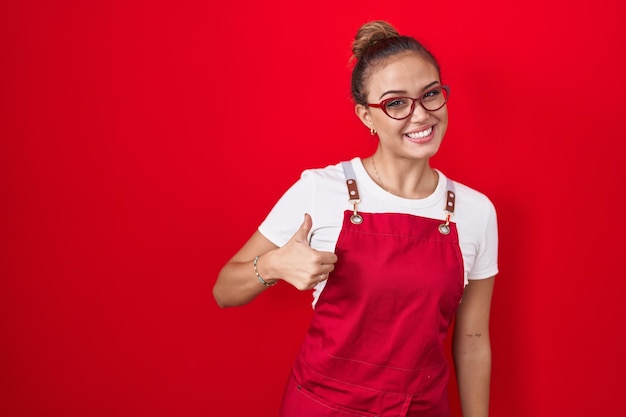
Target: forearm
point(472, 348)
point(237, 283)
point(472, 357)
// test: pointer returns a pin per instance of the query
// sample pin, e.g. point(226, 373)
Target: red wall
point(130, 174)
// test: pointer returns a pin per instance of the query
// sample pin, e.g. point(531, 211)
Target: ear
point(363, 112)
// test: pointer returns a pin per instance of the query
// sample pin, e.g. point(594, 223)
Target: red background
point(143, 142)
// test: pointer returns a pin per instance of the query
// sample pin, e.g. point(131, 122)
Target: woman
point(390, 246)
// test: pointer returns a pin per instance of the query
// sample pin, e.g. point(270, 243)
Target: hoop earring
point(372, 131)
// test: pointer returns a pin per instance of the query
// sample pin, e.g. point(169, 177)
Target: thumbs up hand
point(299, 264)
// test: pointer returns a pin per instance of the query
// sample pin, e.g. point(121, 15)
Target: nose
point(419, 113)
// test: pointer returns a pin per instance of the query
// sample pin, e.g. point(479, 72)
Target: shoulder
point(316, 187)
point(313, 179)
point(470, 198)
point(324, 183)
point(329, 172)
point(474, 210)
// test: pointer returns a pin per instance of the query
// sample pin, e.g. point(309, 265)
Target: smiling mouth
point(420, 135)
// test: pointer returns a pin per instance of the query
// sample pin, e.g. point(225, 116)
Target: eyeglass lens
point(402, 107)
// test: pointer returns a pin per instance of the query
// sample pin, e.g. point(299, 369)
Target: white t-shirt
point(323, 194)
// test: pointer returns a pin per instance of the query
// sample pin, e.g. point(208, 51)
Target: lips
point(420, 136)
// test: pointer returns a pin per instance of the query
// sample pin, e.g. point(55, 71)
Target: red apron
point(375, 344)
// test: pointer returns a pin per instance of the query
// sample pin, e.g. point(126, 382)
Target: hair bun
point(369, 34)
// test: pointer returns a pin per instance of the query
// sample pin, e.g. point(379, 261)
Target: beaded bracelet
point(261, 280)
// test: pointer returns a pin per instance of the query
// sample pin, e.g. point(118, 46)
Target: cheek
point(385, 124)
point(443, 122)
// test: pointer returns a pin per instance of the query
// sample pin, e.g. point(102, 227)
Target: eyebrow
point(426, 87)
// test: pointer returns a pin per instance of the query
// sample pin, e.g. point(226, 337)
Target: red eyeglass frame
point(382, 104)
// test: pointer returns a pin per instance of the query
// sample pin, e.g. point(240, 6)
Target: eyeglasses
point(402, 107)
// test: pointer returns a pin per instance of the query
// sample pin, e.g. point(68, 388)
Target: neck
point(402, 177)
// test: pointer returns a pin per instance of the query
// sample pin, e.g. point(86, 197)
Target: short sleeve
point(287, 215)
point(486, 263)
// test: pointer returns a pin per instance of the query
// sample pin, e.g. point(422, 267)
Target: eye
point(432, 94)
point(396, 103)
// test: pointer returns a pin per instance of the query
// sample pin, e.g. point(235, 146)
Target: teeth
point(420, 135)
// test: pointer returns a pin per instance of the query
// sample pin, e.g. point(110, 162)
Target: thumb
point(302, 234)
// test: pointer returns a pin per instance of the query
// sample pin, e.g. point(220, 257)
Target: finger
point(327, 257)
point(327, 269)
point(302, 234)
point(321, 278)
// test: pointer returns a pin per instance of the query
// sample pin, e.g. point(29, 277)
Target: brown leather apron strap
point(353, 191)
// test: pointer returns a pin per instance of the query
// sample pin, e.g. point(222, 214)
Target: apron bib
point(375, 344)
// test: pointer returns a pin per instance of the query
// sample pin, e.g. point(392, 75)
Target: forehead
point(407, 72)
